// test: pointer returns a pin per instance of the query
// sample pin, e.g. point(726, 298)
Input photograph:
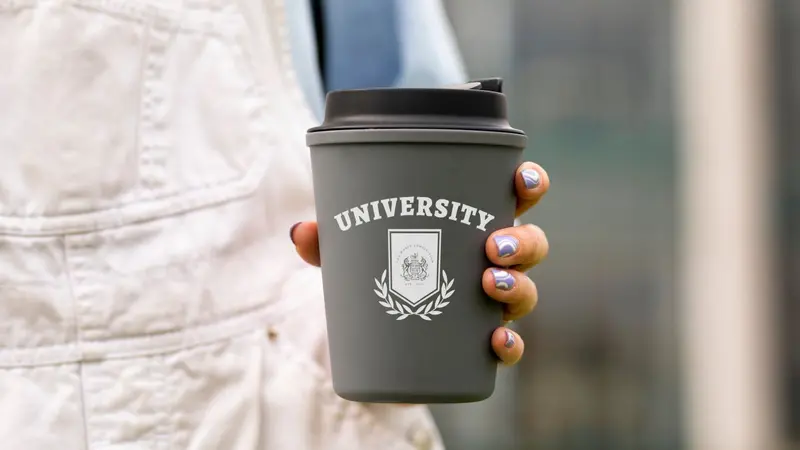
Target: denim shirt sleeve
point(428, 51)
point(430, 55)
point(304, 54)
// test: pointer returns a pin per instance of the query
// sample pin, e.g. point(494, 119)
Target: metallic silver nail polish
point(531, 178)
point(503, 280)
point(510, 341)
point(506, 245)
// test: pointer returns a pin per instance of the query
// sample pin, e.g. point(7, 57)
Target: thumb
point(306, 241)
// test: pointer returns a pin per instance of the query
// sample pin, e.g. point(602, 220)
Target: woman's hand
point(512, 250)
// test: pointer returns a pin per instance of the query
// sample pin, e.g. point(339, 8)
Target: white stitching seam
point(145, 345)
point(81, 375)
point(158, 205)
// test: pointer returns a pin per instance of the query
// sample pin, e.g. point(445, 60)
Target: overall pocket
point(114, 112)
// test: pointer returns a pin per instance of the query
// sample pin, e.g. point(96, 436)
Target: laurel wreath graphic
point(403, 311)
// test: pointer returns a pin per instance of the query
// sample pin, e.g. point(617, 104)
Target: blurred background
point(669, 302)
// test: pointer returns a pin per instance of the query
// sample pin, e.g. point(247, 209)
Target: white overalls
point(152, 160)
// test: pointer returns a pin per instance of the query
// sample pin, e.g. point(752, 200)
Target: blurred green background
point(594, 84)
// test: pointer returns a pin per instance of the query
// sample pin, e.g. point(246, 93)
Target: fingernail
point(506, 245)
point(291, 231)
point(510, 341)
point(531, 178)
point(503, 280)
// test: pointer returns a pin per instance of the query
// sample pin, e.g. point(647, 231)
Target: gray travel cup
point(409, 183)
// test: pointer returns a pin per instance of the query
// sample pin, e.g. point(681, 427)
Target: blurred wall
point(668, 307)
point(728, 277)
point(592, 84)
point(787, 64)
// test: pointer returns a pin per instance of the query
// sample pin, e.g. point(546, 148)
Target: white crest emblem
point(414, 269)
point(416, 285)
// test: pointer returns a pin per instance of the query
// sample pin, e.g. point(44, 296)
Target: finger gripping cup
point(409, 183)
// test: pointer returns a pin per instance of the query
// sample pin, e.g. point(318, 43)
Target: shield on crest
point(414, 264)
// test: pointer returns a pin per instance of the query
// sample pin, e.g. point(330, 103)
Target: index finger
point(531, 182)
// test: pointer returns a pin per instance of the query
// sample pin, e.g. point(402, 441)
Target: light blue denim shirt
point(374, 43)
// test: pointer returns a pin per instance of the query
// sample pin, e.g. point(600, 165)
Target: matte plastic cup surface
point(405, 203)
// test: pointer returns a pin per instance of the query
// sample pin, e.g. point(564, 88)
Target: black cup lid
point(477, 105)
